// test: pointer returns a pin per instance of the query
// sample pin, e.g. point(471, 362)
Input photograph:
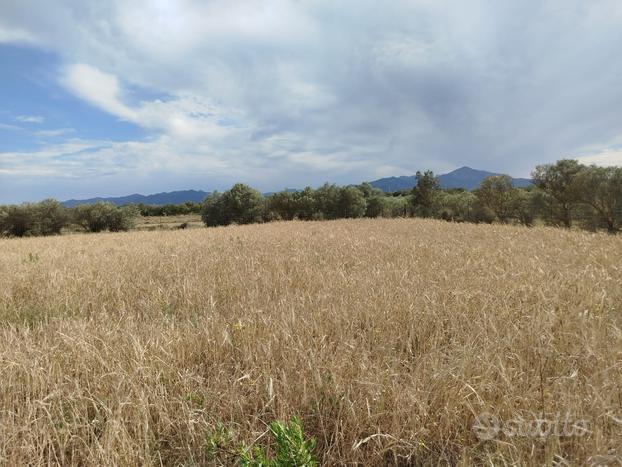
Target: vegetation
point(49, 217)
point(563, 192)
point(425, 194)
point(104, 216)
point(387, 338)
point(291, 450)
point(566, 194)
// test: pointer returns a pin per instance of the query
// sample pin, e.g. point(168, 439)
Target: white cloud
point(6, 126)
point(30, 118)
point(604, 158)
point(55, 133)
point(12, 35)
point(98, 88)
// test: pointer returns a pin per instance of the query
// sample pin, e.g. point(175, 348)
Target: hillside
point(464, 177)
point(173, 197)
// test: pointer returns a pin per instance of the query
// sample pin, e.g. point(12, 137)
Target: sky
point(112, 97)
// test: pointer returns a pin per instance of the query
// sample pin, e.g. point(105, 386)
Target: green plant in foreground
point(217, 440)
point(291, 448)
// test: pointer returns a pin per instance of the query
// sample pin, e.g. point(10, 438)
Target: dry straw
point(387, 337)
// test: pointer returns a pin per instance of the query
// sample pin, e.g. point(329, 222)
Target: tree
point(305, 203)
point(456, 205)
point(497, 193)
point(524, 206)
point(50, 217)
point(425, 193)
point(47, 217)
point(239, 205)
point(212, 212)
point(351, 202)
point(558, 181)
point(378, 206)
point(282, 205)
point(17, 221)
point(104, 216)
point(327, 199)
point(600, 188)
point(122, 219)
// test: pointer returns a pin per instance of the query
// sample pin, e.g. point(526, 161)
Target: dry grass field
point(150, 223)
point(387, 337)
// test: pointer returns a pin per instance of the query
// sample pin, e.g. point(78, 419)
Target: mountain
point(173, 197)
point(464, 177)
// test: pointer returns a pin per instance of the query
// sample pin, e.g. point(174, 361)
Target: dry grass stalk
point(387, 337)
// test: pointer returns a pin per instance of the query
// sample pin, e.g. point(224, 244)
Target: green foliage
point(239, 205)
point(600, 190)
point(169, 209)
point(559, 182)
point(104, 216)
point(327, 200)
point(457, 205)
point(524, 206)
point(217, 440)
point(378, 206)
point(563, 191)
point(282, 206)
point(47, 217)
point(305, 204)
point(351, 203)
point(290, 447)
point(498, 195)
point(425, 193)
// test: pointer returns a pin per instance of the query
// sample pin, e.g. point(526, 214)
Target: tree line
point(564, 194)
point(49, 217)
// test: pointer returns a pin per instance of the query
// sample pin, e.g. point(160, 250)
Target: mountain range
point(464, 177)
point(173, 197)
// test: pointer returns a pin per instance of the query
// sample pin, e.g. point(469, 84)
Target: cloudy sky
point(115, 97)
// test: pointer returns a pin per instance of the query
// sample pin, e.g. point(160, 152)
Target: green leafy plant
point(291, 448)
point(217, 440)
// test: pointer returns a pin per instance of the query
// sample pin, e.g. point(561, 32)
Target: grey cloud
point(349, 90)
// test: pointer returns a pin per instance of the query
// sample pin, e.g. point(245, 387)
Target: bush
point(239, 205)
point(104, 216)
point(456, 205)
point(47, 217)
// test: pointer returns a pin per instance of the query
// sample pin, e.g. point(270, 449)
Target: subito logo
point(486, 426)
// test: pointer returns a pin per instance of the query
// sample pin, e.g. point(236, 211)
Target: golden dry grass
point(150, 223)
point(387, 337)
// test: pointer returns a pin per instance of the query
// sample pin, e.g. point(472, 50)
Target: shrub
point(47, 217)
point(239, 205)
point(104, 216)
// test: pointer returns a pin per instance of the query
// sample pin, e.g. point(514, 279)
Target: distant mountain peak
point(463, 177)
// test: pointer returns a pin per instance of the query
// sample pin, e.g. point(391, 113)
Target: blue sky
point(103, 98)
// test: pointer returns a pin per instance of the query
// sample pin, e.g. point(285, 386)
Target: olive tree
point(425, 193)
point(559, 182)
point(600, 190)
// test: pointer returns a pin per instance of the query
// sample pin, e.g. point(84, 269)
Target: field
point(388, 338)
point(150, 223)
